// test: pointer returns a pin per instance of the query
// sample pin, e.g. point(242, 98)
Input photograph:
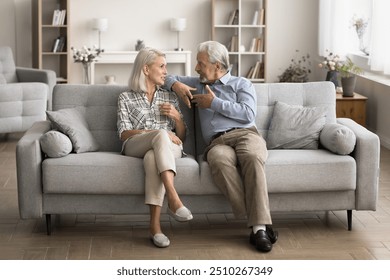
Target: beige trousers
point(237, 162)
point(159, 153)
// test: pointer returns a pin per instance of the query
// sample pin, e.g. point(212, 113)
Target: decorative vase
point(86, 73)
point(332, 76)
point(348, 85)
point(110, 80)
point(140, 45)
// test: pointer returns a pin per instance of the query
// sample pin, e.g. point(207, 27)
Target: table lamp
point(178, 24)
point(101, 25)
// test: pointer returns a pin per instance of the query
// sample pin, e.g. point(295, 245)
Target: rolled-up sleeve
point(123, 122)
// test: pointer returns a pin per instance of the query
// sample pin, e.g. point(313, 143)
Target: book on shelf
point(233, 18)
point(257, 45)
point(59, 17)
point(261, 17)
point(255, 19)
point(55, 44)
point(256, 71)
point(59, 44)
point(233, 44)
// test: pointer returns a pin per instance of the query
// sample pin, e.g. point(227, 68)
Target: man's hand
point(184, 92)
point(204, 100)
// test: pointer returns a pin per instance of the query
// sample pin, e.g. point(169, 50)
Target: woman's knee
point(161, 136)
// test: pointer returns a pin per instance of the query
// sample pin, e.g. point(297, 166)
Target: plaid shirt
point(135, 111)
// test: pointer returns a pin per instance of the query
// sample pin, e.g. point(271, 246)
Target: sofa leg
point(48, 224)
point(349, 219)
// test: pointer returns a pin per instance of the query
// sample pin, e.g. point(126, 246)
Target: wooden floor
point(302, 236)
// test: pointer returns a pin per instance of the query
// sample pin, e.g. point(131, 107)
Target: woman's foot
point(182, 214)
point(160, 240)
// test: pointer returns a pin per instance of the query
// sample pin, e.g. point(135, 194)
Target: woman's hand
point(167, 109)
point(174, 138)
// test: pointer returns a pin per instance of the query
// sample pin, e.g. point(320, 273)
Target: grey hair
point(146, 56)
point(217, 52)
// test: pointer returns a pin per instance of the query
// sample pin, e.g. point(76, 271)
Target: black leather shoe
point(270, 233)
point(273, 235)
point(261, 241)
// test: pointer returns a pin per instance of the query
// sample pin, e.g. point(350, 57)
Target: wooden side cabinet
point(352, 107)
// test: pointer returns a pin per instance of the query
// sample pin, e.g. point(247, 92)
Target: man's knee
point(222, 155)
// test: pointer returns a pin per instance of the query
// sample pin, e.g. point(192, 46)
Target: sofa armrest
point(29, 159)
point(30, 75)
point(367, 156)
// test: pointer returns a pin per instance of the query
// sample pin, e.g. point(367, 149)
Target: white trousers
point(159, 153)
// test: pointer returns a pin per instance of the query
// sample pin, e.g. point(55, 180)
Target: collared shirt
point(233, 107)
point(136, 112)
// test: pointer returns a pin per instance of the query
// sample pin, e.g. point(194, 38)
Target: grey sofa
point(105, 182)
point(25, 94)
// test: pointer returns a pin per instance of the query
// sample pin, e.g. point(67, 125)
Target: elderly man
point(236, 152)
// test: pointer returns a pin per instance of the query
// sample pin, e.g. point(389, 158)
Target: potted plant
point(348, 71)
point(332, 63)
point(298, 71)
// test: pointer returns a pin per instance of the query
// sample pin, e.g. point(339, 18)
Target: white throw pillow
point(55, 144)
point(338, 139)
point(295, 126)
point(71, 122)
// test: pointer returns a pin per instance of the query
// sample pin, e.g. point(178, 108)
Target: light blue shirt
point(233, 107)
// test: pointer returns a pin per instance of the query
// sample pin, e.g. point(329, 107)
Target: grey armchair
point(25, 94)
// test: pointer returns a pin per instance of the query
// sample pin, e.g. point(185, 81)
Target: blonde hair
point(146, 56)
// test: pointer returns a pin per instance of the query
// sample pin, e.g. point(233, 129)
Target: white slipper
point(182, 214)
point(160, 240)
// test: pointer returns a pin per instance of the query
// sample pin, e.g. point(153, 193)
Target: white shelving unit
point(239, 32)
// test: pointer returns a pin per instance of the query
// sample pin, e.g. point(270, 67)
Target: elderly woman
point(151, 126)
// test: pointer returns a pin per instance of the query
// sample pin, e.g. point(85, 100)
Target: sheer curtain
point(334, 27)
point(335, 31)
point(380, 42)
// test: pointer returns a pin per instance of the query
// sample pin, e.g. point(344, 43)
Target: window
point(356, 27)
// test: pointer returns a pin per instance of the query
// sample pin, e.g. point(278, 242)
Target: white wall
point(291, 26)
point(15, 29)
point(378, 104)
point(129, 21)
point(7, 24)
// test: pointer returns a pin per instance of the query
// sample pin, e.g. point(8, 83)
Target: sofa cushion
point(55, 144)
point(71, 121)
point(109, 173)
point(322, 171)
point(285, 169)
point(295, 126)
point(338, 138)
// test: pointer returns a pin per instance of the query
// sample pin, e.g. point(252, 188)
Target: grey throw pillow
point(295, 127)
point(71, 121)
point(338, 139)
point(55, 144)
